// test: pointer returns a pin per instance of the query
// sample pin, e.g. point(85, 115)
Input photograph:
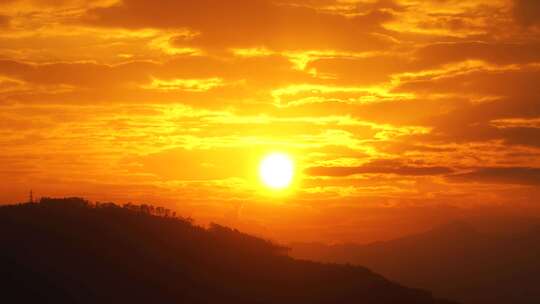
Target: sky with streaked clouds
point(400, 114)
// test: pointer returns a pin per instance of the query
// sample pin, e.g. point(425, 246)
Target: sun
point(277, 171)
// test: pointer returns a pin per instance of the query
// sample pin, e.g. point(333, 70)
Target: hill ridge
point(70, 251)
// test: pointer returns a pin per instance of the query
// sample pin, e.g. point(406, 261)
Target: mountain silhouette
point(71, 251)
point(455, 261)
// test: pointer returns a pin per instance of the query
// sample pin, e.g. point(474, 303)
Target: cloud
point(363, 70)
point(487, 121)
point(527, 12)
point(516, 123)
point(479, 81)
point(249, 23)
point(223, 81)
point(4, 21)
point(77, 74)
point(380, 167)
point(500, 175)
point(441, 59)
point(270, 69)
point(499, 53)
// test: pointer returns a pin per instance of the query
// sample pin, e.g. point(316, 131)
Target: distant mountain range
point(70, 251)
point(479, 263)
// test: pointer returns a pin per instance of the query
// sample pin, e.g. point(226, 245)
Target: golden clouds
point(517, 123)
point(308, 93)
point(245, 24)
point(193, 85)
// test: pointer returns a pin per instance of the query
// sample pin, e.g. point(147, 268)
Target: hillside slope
point(455, 261)
point(66, 251)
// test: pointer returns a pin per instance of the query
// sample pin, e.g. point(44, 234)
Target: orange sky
point(400, 114)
